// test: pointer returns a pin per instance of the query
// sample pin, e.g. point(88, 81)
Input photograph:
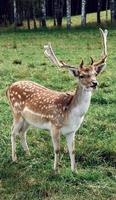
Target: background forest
point(17, 11)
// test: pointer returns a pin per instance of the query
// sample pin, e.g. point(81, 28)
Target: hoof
point(14, 161)
point(75, 172)
point(27, 153)
point(14, 158)
point(56, 170)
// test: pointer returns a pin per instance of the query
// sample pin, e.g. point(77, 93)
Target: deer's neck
point(81, 100)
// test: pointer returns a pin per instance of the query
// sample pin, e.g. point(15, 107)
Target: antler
point(104, 40)
point(52, 57)
point(104, 51)
point(49, 53)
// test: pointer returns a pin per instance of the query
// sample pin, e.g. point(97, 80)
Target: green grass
point(32, 177)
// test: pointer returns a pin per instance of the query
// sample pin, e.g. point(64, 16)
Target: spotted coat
point(51, 105)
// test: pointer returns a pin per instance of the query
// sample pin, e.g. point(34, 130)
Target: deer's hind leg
point(17, 124)
point(19, 128)
point(22, 135)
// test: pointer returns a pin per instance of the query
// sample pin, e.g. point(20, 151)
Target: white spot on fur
point(19, 96)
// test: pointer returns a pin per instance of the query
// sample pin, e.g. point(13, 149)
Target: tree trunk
point(113, 10)
point(58, 12)
point(34, 17)
point(43, 13)
point(28, 19)
point(68, 9)
point(54, 7)
point(106, 11)
point(98, 12)
point(15, 14)
point(83, 13)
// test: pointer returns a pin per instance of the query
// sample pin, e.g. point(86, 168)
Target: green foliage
point(32, 177)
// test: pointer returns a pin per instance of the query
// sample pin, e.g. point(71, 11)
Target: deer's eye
point(81, 76)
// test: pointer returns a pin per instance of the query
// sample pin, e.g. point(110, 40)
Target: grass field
point(32, 178)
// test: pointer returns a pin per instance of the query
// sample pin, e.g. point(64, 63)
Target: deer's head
point(85, 74)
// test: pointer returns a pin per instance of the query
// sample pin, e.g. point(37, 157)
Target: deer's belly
point(35, 120)
point(72, 125)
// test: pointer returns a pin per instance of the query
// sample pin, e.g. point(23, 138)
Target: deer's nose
point(95, 83)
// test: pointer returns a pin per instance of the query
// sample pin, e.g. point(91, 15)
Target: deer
point(61, 113)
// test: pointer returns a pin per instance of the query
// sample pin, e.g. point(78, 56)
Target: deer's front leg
point(71, 147)
point(56, 144)
point(13, 142)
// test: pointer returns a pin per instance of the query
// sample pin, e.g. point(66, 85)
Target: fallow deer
point(58, 112)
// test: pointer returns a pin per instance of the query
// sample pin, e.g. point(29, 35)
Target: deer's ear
point(74, 72)
point(100, 68)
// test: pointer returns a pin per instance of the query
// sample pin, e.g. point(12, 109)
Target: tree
point(98, 11)
point(19, 12)
point(58, 12)
point(43, 13)
point(68, 8)
point(28, 13)
point(107, 10)
point(83, 13)
point(15, 13)
point(34, 14)
point(113, 10)
point(54, 7)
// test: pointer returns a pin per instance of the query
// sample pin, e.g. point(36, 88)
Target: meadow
point(22, 58)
